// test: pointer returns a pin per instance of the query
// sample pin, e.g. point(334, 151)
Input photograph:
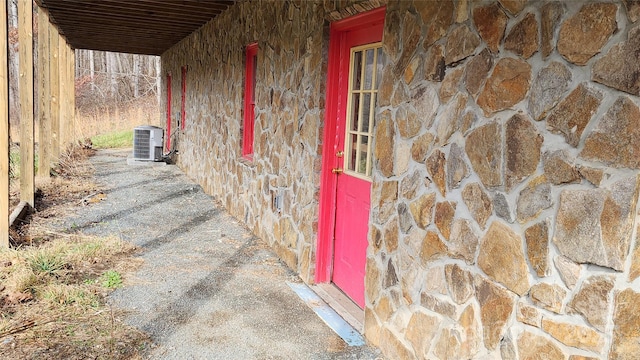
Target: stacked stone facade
point(505, 182)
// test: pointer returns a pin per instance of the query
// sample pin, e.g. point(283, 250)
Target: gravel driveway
point(207, 288)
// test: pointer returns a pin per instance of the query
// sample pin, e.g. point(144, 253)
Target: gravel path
point(207, 288)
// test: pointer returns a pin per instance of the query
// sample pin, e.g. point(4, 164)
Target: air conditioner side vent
point(147, 143)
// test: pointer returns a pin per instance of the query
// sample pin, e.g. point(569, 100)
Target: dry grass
point(53, 285)
point(52, 301)
point(142, 111)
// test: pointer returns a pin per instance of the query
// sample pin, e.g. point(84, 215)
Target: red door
point(355, 89)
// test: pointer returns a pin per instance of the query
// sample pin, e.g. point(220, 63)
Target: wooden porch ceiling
point(147, 27)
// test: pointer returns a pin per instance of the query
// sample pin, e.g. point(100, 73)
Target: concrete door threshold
point(342, 304)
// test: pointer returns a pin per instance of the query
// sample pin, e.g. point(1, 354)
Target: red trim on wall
point(369, 21)
point(168, 112)
point(183, 119)
point(249, 100)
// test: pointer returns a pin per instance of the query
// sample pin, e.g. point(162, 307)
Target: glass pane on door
point(366, 69)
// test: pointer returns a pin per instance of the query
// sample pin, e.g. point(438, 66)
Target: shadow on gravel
point(179, 312)
point(134, 209)
point(183, 229)
point(139, 183)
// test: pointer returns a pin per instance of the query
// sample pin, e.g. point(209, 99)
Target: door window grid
point(364, 74)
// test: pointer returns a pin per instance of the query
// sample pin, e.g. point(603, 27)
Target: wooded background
point(107, 84)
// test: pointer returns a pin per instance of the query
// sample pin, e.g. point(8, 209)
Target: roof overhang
point(131, 26)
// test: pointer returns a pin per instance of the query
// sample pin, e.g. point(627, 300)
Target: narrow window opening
point(168, 112)
point(251, 65)
point(183, 116)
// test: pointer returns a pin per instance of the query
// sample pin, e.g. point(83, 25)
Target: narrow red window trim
point(183, 116)
point(168, 112)
point(251, 57)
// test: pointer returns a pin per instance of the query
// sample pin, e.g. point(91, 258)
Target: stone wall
point(506, 166)
point(504, 220)
point(293, 41)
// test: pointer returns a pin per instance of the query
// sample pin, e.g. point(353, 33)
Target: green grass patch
point(111, 279)
point(14, 163)
point(113, 140)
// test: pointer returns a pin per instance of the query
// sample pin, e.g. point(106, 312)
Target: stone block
point(422, 209)
point(592, 300)
point(522, 153)
point(457, 168)
point(616, 139)
point(477, 71)
point(592, 175)
point(387, 202)
point(548, 296)
point(438, 305)
point(460, 283)
point(513, 6)
point(523, 39)
point(502, 207)
point(434, 67)
point(634, 270)
point(528, 314)
point(425, 100)
point(432, 248)
point(450, 84)
point(496, 307)
point(421, 330)
point(411, 34)
point(548, 87)
point(584, 34)
point(574, 335)
point(484, 150)
point(461, 43)
point(532, 346)
point(569, 271)
point(572, 114)
point(463, 241)
point(508, 84)
point(550, 15)
point(445, 212)
point(502, 258)
point(436, 164)
point(408, 120)
point(392, 347)
point(633, 9)
point(533, 199)
point(491, 22)
point(410, 184)
point(626, 326)
point(558, 169)
point(421, 147)
point(478, 203)
point(537, 239)
point(448, 122)
point(437, 17)
point(599, 220)
point(619, 68)
point(384, 145)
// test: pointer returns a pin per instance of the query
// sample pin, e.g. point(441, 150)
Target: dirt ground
point(52, 304)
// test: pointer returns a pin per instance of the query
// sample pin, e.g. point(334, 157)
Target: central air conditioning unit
point(147, 143)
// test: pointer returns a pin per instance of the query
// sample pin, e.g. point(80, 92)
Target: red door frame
point(328, 180)
point(168, 111)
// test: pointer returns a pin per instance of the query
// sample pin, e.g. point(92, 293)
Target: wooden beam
point(25, 51)
point(44, 145)
point(71, 95)
point(62, 77)
point(4, 128)
point(54, 89)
